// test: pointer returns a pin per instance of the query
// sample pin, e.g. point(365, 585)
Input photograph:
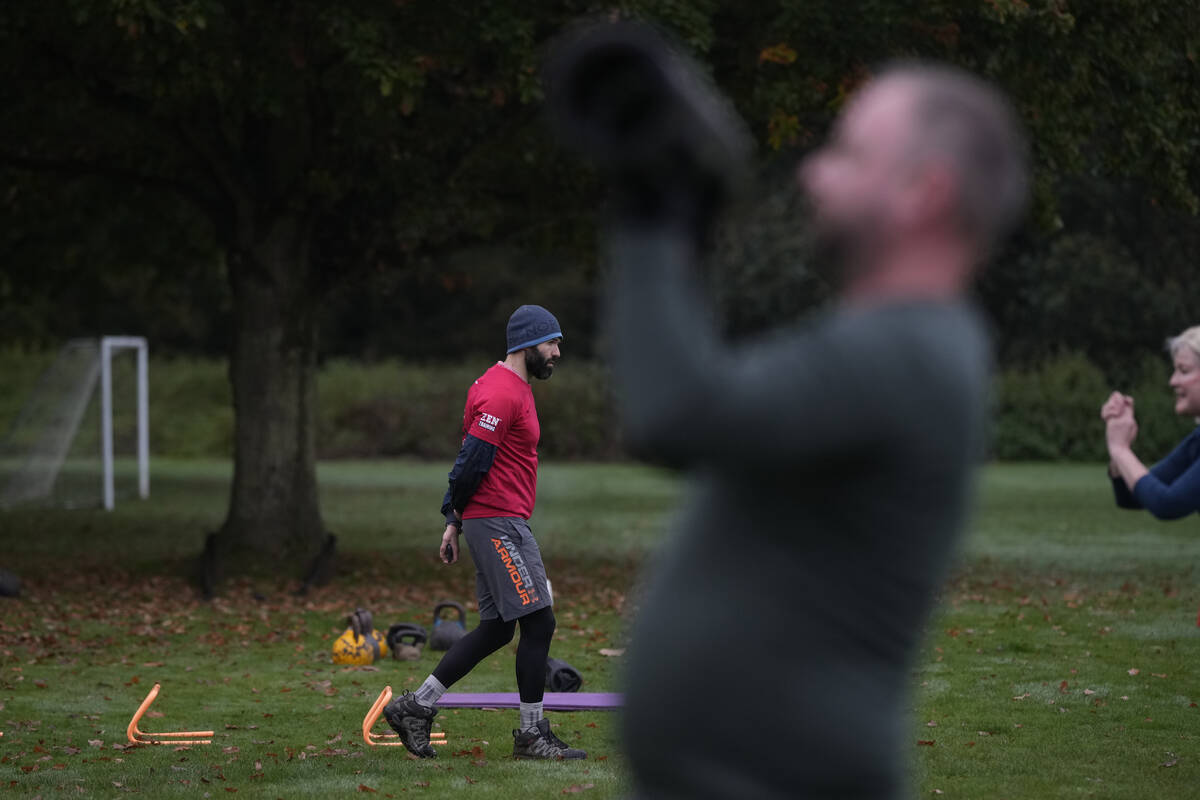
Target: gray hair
point(967, 120)
point(1190, 339)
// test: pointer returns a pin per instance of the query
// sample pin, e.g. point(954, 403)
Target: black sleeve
point(473, 461)
point(1122, 495)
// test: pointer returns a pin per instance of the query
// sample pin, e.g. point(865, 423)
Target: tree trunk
point(274, 514)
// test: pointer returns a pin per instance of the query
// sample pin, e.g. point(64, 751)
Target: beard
point(538, 365)
point(838, 251)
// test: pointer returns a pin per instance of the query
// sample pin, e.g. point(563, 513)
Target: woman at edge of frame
point(1171, 488)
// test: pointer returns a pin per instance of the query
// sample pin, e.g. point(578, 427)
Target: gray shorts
point(510, 579)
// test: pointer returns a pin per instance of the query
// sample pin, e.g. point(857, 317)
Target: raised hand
point(1115, 405)
point(1120, 428)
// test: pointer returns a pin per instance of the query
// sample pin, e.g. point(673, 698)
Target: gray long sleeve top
point(830, 468)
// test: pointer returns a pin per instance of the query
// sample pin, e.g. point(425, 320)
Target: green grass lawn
point(1061, 663)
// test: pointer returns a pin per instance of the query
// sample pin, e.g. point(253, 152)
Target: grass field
point(1062, 662)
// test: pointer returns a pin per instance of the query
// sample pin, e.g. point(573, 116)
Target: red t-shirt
point(500, 411)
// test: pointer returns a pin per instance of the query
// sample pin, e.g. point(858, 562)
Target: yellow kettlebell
point(360, 644)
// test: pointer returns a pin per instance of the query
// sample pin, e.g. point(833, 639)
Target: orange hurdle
point(373, 739)
point(136, 736)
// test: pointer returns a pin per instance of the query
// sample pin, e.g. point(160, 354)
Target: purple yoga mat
point(553, 701)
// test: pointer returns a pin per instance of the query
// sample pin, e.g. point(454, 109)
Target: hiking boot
point(412, 721)
point(539, 742)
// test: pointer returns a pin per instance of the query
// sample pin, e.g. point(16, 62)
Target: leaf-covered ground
point(1062, 661)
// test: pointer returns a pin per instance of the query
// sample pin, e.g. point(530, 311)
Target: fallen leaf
point(777, 54)
point(925, 742)
point(362, 787)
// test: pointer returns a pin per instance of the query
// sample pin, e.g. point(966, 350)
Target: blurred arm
point(686, 397)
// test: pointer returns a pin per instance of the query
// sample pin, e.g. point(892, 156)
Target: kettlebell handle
point(361, 622)
point(462, 612)
point(398, 633)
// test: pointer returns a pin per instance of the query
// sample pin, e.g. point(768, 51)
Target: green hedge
point(394, 409)
point(1052, 413)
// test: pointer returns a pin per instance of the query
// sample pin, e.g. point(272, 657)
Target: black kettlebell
point(447, 631)
point(405, 640)
point(645, 113)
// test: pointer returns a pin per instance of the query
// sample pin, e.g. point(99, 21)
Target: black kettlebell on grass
point(447, 631)
point(405, 640)
point(672, 147)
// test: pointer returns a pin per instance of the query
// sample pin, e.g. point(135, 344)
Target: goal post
point(108, 345)
point(49, 457)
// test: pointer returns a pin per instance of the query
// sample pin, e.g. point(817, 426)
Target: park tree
point(287, 146)
point(290, 148)
point(1108, 93)
point(295, 142)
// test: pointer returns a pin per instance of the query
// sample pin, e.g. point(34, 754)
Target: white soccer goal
point(47, 455)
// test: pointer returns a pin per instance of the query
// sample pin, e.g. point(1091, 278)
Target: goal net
point(81, 437)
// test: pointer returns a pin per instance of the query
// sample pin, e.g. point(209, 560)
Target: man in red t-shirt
point(492, 489)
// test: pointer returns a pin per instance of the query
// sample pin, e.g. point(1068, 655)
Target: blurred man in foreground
point(831, 465)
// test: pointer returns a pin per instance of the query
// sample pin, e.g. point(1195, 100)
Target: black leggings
point(537, 629)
